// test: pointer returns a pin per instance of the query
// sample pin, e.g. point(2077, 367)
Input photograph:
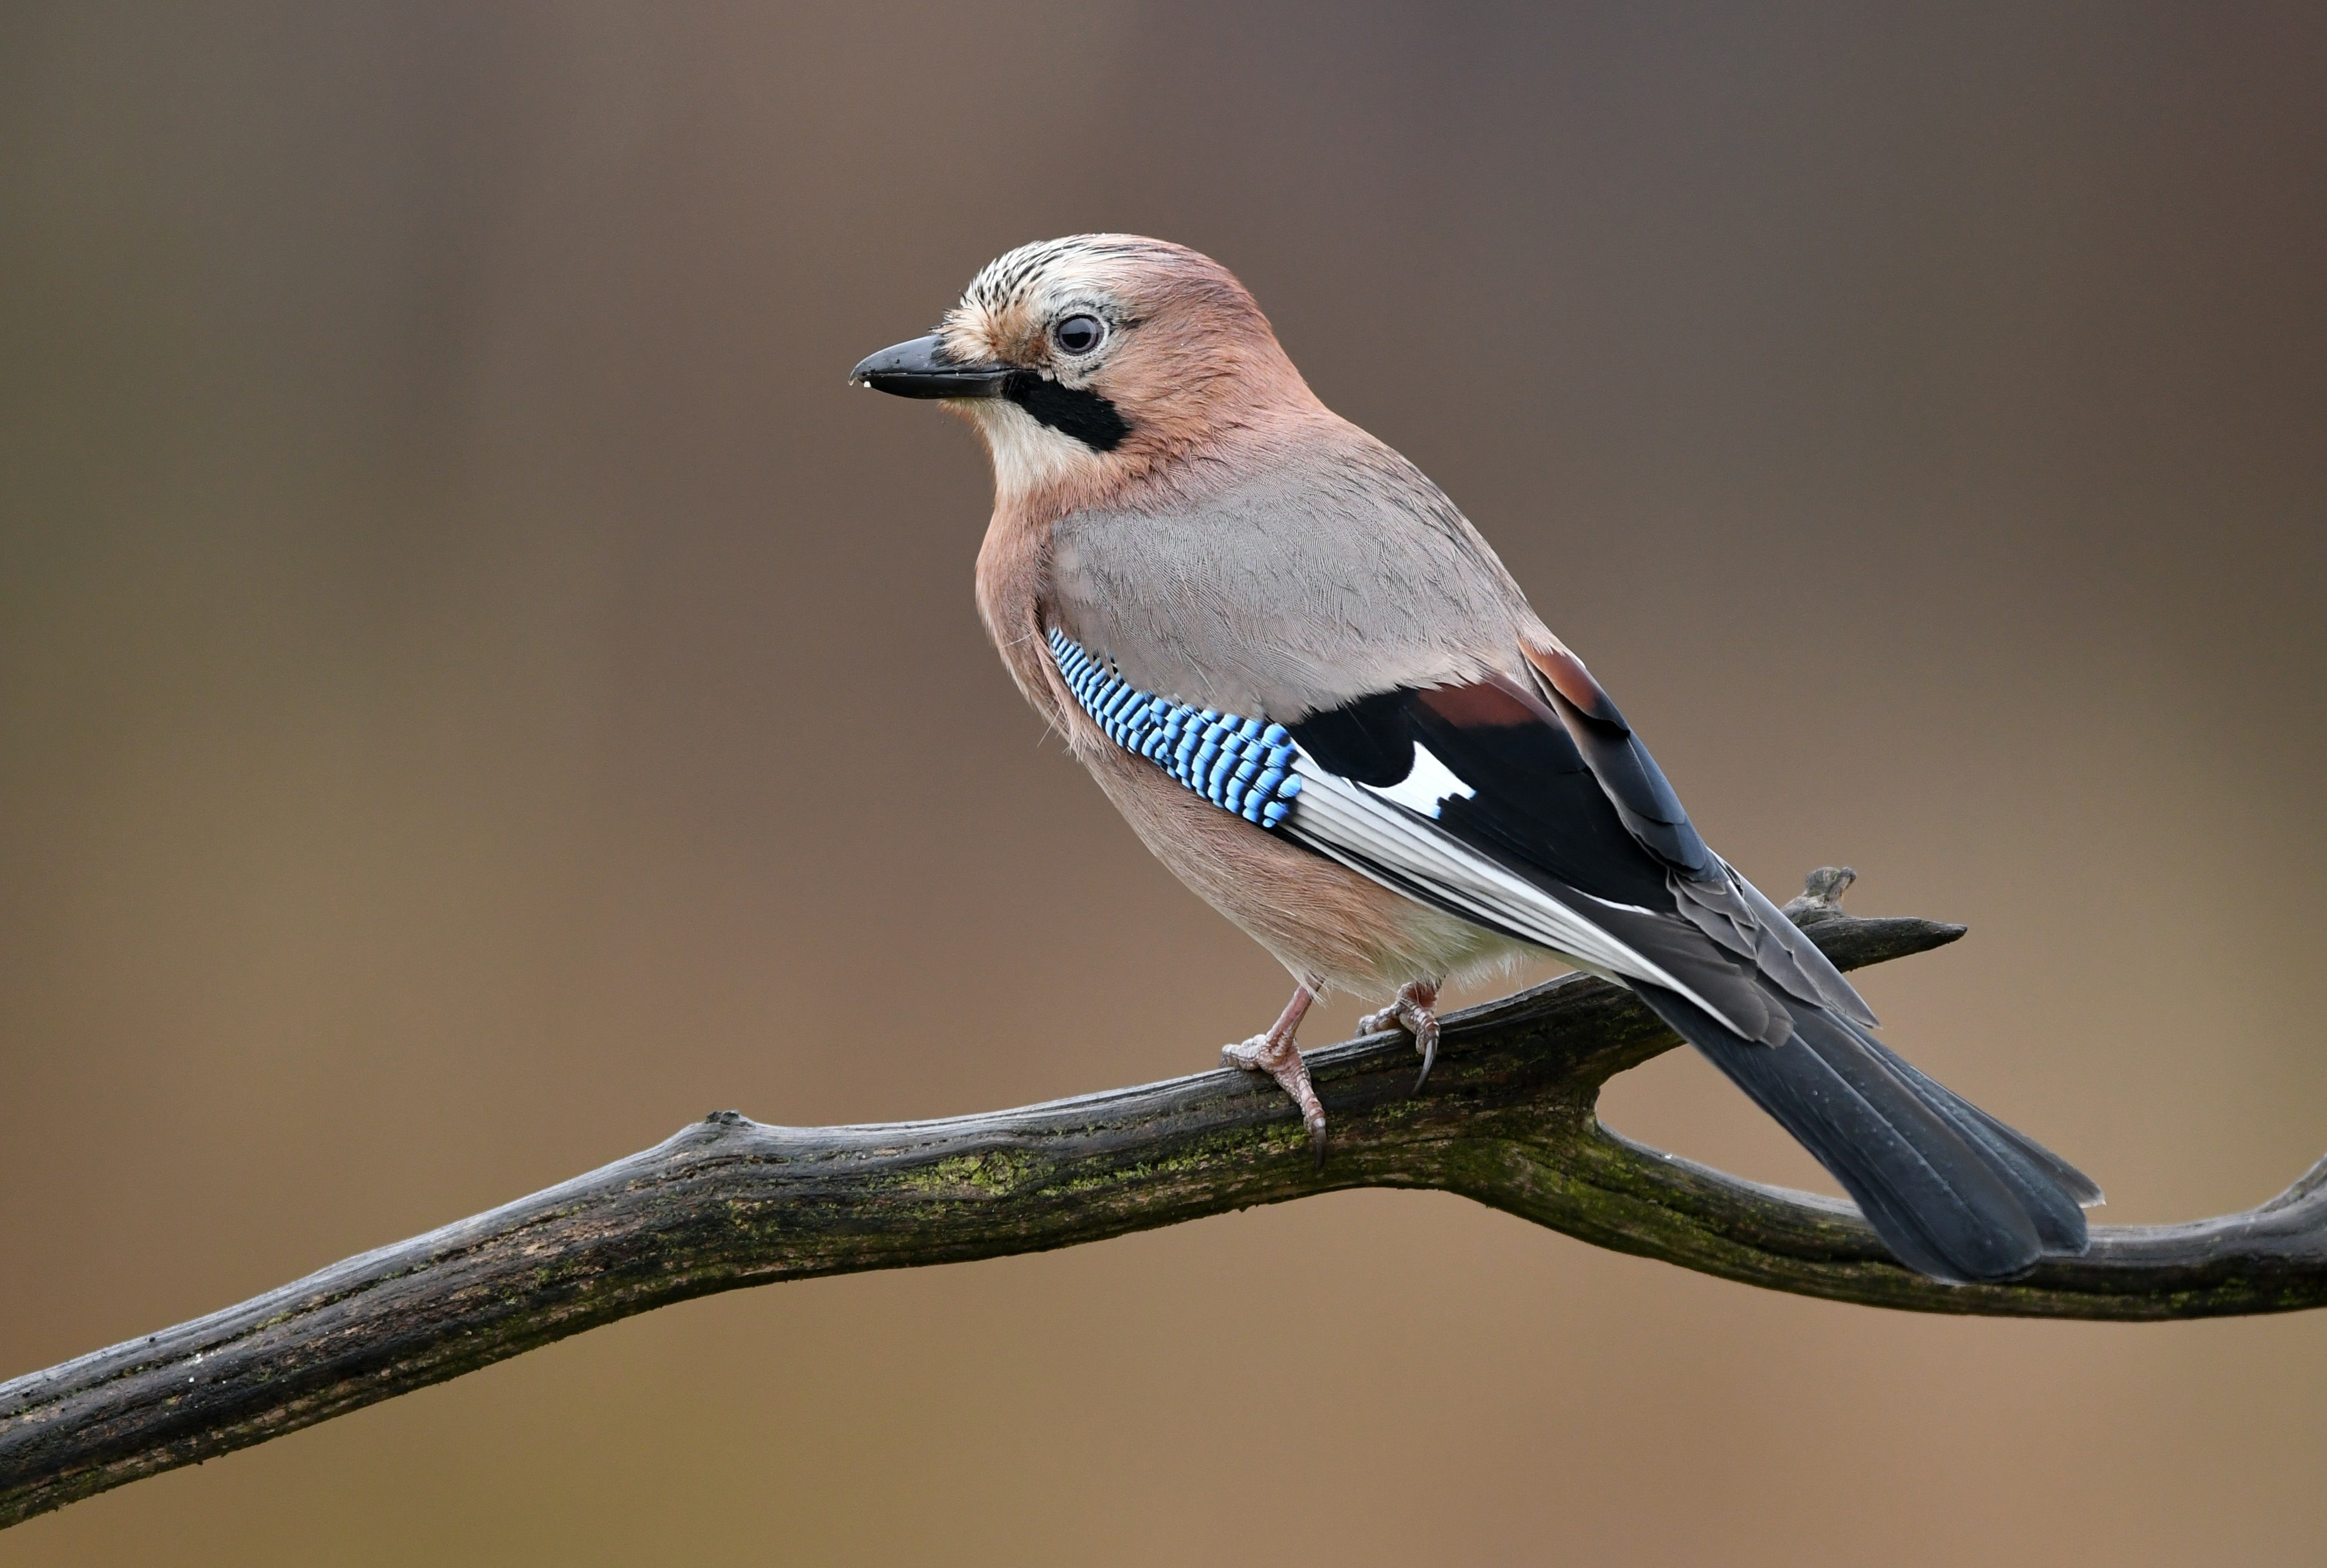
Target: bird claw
point(1414, 1010)
point(1280, 1058)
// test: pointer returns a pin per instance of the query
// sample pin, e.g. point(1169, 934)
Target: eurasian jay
point(1318, 697)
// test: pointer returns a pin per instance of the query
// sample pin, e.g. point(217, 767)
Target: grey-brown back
point(1288, 579)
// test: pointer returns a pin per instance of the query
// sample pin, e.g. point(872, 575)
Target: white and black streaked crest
point(1031, 275)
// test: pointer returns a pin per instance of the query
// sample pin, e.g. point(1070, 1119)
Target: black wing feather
point(1641, 793)
point(1368, 742)
point(1562, 793)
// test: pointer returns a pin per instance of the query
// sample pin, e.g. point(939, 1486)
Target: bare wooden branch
point(1508, 1119)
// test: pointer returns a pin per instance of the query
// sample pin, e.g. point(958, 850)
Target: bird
point(1314, 691)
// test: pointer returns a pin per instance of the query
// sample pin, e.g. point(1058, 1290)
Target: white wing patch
point(1429, 785)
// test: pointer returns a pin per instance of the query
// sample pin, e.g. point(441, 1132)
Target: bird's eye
point(1079, 334)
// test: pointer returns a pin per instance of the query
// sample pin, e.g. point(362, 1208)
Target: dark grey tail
point(1952, 1191)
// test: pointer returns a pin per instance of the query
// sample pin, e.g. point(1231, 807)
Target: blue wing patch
point(1239, 764)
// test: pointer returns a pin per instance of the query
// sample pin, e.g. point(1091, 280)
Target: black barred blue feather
point(1239, 764)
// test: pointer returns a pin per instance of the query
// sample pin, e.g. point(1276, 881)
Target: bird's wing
point(1572, 809)
point(1476, 796)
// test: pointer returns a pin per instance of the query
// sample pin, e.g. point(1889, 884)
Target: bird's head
point(1088, 362)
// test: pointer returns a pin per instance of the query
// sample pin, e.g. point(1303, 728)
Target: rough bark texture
point(1507, 1119)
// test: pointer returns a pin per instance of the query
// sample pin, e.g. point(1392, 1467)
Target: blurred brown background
point(476, 693)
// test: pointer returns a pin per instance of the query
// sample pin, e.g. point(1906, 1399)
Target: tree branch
point(1508, 1119)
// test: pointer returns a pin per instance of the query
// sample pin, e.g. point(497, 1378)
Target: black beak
point(922, 370)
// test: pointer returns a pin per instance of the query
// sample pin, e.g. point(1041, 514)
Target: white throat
point(1028, 456)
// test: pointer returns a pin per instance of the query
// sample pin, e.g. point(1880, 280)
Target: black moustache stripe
point(1087, 416)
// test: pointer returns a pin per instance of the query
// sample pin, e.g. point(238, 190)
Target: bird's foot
point(1415, 1011)
point(1275, 1054)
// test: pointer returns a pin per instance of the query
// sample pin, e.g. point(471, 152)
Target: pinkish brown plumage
point(1181, 530)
